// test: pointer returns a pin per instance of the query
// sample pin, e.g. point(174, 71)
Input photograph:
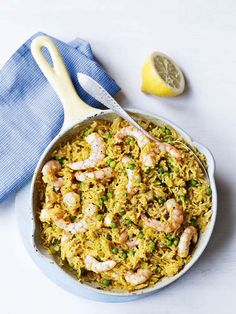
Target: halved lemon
point(162, 76)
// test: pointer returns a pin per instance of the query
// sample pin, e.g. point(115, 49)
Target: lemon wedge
point(162, 76)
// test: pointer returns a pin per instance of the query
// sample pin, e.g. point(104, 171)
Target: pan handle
point(59, 79)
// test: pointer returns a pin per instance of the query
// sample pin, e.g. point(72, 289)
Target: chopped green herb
point(109, 161)
point(182, 198)
point(87, 132)
point(139, 180)
point(160, 170)
point(100, 202)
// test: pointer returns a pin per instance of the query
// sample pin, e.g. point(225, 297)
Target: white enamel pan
point(77, 116)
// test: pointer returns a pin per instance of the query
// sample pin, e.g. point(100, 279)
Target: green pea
point(167, 131)
point(131, 252)
point(99, 217)
point(113, 225)
point(109, 194)
point(115, 250)
point(113, 164)
point(103, 198)
point(87, 132)
point(193, 182)
point(109, 161)
point(170, 160)
point(158, 269)
point(170, 236)
point(72, 218)
point(108, 135)
point(152, 245)
point(176, 242)
point(140, 235)
point(161, 200)
point(125, 193)
point(106, 282)
point(123, 255)
point(60, 159)
point(71, 265)
point(131, 166)
point(57, 248)
point(176, 169)
point(182, 198)
point(53, 241)
point(194, 222)
point(139, 180)
point(160, 170)
point(169, 139)
point(127, 222)
point(208, 191)
point(128, 140)
point(100, 202)
point(122, 213)
point(169, 242)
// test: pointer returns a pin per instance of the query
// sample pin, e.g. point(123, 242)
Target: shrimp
point(49, 171)
point(75, 227)
point(190, 233)
point(123, 237)
point(133, 242)
point(160, 147)
point(96, 156)
point(71, 200)
point(105, 173)
point(131, 189)
point(98, 267)
point(174, 222)
point(141, 276)
point(141, 139)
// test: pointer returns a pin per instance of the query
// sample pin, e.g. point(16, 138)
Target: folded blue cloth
point(31, 114)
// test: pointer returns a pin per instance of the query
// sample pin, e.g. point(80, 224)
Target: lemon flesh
point(162, 76)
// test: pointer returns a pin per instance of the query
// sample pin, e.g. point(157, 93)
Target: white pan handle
point(58, 77)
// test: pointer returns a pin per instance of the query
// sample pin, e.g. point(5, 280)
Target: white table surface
point(200, 36)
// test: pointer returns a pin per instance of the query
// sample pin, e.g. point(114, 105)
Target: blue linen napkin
point(31, 114)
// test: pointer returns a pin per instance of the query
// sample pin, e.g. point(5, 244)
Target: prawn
point(133, 242)
point(138, 277)
point(141, 139)
point(162, 146)
point(105, 173)
point(174, 222)
point(96, 156)
point(131, 189)
point(92, 264)
point(71, 200)
point(49, 171)
point(190, 233)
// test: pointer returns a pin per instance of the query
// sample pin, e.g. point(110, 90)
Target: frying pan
point(77, 116)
